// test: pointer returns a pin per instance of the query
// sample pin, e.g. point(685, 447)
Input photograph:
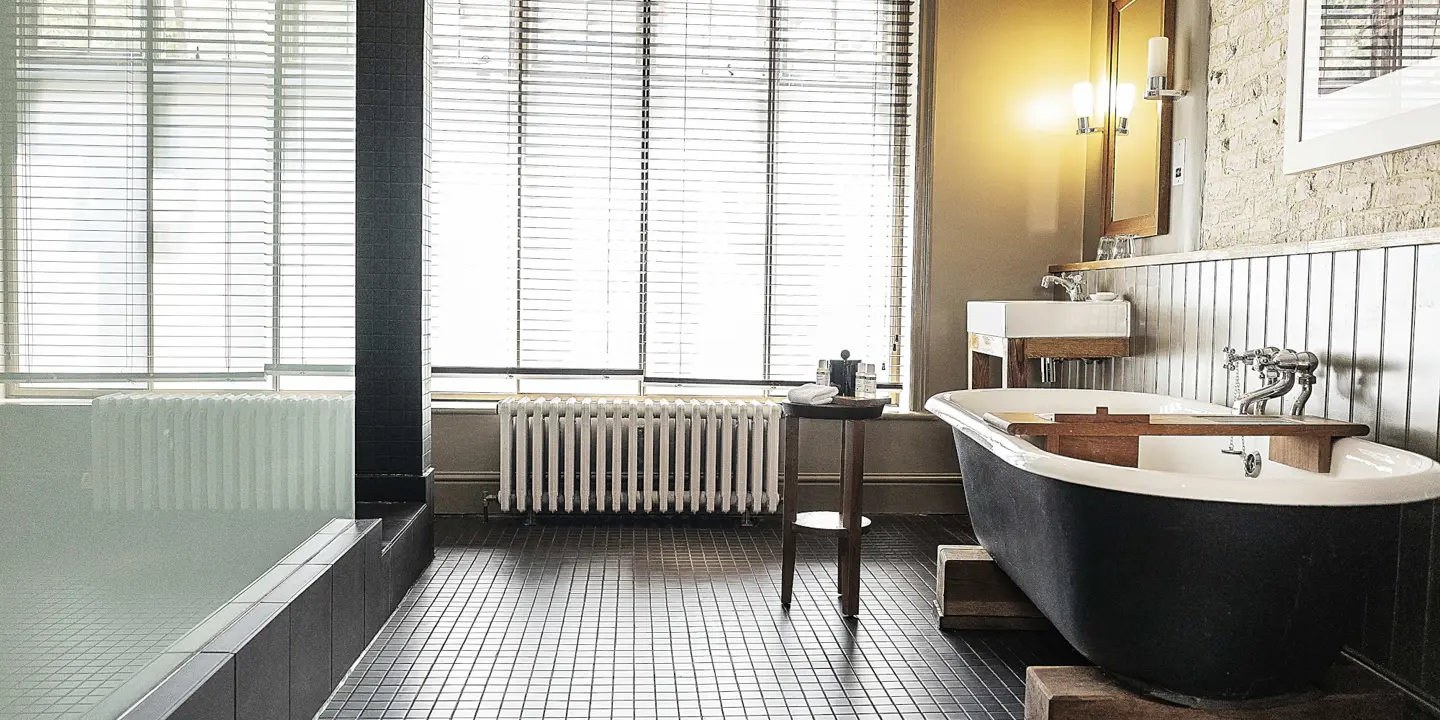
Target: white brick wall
point(1248, 200)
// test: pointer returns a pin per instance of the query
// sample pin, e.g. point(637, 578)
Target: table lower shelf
point(825, 523)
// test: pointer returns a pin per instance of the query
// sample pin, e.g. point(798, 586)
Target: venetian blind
point(1361, 40)
point(183, 201)
point(687, 190)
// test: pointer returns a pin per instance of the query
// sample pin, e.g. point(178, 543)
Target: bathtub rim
point(1315, 489)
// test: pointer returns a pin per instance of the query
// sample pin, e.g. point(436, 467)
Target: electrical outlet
point(1177, 162)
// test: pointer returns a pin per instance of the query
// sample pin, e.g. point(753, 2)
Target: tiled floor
point(624, 620)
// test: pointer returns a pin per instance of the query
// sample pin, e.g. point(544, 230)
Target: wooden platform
point(1087, 693)
point(973, 593)
point(1301, 442)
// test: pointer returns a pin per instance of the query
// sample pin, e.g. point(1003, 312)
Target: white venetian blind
point(183, 203)
point(1360, 40)
point(679, 190)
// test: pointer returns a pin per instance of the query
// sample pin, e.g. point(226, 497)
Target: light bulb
point(1084, 97)
point(1124, 99)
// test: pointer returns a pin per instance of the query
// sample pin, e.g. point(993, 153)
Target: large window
point(181, 206)
point(667, 192)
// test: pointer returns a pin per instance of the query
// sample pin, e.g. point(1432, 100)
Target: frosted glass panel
point(131, 518)
point(176, 325)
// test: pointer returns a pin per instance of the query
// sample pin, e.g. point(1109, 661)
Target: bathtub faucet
point(1280, 371)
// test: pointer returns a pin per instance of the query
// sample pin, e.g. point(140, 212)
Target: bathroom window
point(182, 213)
point(641, 194)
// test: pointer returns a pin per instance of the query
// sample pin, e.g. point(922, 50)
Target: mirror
point(1137, 131)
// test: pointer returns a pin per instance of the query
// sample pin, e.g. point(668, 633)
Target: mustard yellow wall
point(1009, 172)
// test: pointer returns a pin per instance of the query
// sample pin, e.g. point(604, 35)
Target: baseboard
point(464, 493)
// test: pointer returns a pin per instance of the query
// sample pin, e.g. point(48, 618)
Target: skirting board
point(939, 494)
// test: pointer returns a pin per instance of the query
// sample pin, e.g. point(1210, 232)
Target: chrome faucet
point(1074, 286)
point(1281, 371)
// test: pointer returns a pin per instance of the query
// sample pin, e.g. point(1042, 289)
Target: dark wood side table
point(846, 525)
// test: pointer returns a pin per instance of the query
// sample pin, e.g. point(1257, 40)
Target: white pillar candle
point(1159, 58)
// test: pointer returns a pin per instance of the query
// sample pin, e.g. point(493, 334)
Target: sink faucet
point(1072, 283)
point(1280, 370)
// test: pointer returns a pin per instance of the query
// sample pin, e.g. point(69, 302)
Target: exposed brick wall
point(1248, 200)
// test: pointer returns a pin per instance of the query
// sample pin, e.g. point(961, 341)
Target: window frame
point(907, 128)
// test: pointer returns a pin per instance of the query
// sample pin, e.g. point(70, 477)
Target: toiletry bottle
point(865, 381)
point(822, 373)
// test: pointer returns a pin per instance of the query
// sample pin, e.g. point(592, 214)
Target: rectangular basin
point(1049, 318)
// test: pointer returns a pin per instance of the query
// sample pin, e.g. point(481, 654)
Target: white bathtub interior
point(1362, 472)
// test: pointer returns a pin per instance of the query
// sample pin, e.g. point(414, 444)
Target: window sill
point(491, 407)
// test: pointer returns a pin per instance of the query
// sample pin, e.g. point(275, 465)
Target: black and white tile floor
point(637, 619)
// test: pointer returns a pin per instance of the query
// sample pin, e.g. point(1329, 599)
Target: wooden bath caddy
point(1300, 442)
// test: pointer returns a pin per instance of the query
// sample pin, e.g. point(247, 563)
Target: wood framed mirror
point(1137, 157)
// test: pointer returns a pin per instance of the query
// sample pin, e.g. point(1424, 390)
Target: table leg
point(841, 547)
point(792, 494)
point(852, 473)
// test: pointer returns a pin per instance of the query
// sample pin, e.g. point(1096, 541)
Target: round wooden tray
point(841, 408)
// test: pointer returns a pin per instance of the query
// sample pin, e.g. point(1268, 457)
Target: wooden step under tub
point(1301, 442)
point(1087, 693)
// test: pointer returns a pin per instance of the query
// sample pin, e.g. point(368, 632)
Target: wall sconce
point(1158, 69)
point(1084, 97)
point(1124, 105)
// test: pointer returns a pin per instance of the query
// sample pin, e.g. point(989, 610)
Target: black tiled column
point(392, 252)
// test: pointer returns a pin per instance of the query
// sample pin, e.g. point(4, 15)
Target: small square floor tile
point(603, 618)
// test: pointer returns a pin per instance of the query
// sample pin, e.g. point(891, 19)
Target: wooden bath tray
point(1300, 442)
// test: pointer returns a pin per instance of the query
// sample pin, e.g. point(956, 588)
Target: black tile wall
point(392, 363)
point(347, 619)
point(1373, 317)
point(201, 688)
point(312, 647)
point(262, 663)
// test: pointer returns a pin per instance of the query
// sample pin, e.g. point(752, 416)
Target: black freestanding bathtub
point(1183, 577)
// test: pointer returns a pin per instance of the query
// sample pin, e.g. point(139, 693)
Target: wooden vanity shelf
point(1300, 442)
point(1013, 355)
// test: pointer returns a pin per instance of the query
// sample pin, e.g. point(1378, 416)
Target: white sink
point(1049, 318)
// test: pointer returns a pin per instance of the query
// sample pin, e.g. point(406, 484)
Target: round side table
point(848, 524)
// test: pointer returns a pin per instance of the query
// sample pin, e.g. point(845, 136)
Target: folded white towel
point(812, 394)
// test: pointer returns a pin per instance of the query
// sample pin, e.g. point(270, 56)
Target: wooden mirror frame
point(1157, 221)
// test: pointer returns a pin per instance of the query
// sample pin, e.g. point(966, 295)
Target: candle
point(1159, 59)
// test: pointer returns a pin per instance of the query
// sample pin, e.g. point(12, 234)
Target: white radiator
point(233, 451)
point(639, 455)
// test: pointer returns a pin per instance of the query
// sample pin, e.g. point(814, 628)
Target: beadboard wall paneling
point(1373, 317)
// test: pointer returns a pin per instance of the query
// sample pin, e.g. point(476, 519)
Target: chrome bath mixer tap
point(1280, 370)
